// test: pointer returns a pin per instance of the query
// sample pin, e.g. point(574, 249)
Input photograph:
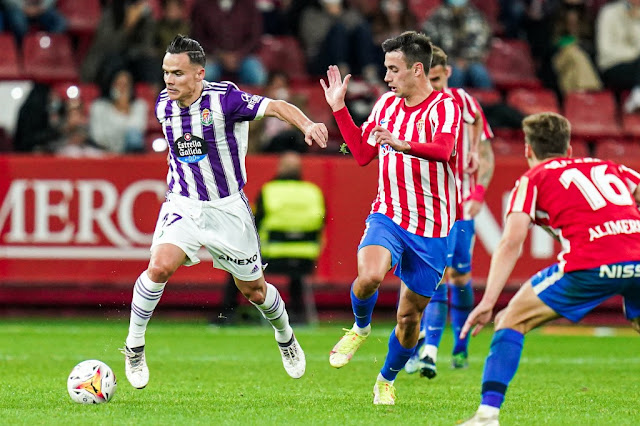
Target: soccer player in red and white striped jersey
point(473, 140)
point(412, 129)
point(591, 207)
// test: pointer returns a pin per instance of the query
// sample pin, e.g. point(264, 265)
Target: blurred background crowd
point(80, 77)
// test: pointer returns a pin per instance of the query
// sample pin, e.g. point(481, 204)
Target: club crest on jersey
point(420, 125)
point(189, 148)
point(206, 117)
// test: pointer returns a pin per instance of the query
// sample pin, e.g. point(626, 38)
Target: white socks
point(274, 311)
point(146, 295)
point(429, 350)
point(362, 331)
point(382, 379)
point(488, 411)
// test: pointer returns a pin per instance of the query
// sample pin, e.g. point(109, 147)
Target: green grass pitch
point(233, 376)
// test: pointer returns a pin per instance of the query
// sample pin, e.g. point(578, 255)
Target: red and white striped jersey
point(469, 106)
point(587, 204)
point(417, 194)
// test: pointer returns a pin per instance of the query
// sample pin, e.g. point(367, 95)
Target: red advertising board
point(71, 221)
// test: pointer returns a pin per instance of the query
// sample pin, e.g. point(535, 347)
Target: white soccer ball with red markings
point(91, 382)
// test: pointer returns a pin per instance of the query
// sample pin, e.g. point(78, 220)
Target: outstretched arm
point(313, 132)
point(334, 94)
point(502, 263)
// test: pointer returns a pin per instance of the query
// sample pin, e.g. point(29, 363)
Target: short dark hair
point(184, 44)
point(438, 57)
point(548, 134)
point(415, 46)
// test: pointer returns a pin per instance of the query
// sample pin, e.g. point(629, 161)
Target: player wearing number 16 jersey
point(590, 205)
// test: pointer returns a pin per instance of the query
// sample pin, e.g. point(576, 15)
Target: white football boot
point(135, 366)
point(485, 416)
point(293, 358)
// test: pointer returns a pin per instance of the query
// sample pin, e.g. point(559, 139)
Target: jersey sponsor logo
point(251, 100)
point(206, 117)
point(620, 271)
point(614, 227)
point(190, 148)
point(247, 261)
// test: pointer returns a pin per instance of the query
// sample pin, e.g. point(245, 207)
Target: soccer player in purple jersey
point(206, 126)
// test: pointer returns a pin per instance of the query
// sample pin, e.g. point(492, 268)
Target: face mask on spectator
point(457, 3)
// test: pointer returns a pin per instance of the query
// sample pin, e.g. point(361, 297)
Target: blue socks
point(461, 305)
point(435, 316)
point(362, 309)
point(501, 365)
point(397, 357)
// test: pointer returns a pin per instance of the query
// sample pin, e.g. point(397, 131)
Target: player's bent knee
point(370, 280)
point(408, 321)
point(160, 272)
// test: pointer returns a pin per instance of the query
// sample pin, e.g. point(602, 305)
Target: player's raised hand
point(318, 133)
point(336, 91)
point(479, 317)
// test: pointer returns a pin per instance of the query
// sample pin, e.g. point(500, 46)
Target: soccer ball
point(91, 382)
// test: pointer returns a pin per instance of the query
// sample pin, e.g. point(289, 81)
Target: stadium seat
point(283, 53)
point(87, 92)
point(10, 64)
point(592, 115)
point(530, 101)
point(149, 94)
point(507, 147)
point(485, 96)
point(314, 104)
point(423, 8)
point(48, 58)
point(617, 150)
point(580, 148)
point(82, 15)
point(510, 64)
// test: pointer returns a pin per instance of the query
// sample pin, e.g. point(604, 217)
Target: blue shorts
point(419, 261)
point(460, 245)
point(574, 294)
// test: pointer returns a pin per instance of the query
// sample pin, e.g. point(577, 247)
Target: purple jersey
point(208, 141)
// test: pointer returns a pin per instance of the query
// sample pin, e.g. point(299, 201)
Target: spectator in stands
point(573, 44)
point(39, 120)
point(74, 139)
point(393, 18)
point(464, 33)
point(277, 135)
point(278, 16)
point(618, 48)
point(173, 21)
point(332, 34)
point(117, 120)
point(229, 31)
point(124, 39)
point(20, 14)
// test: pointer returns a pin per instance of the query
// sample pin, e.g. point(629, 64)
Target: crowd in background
point(279, 48)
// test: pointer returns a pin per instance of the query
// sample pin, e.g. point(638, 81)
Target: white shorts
point(224, 227)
